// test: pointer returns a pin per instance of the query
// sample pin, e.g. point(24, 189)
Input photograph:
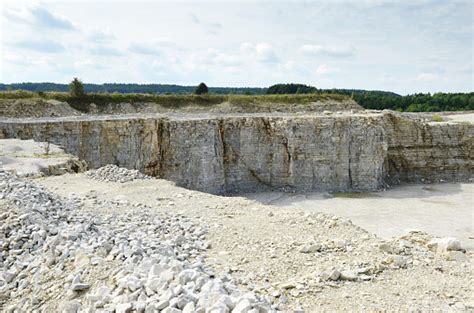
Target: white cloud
point(26, 60)
point(100, 35)
point(246, 47)
point(211, 27)
point(466, 69)
point(333, 51)
point(103, 50)
point(194, 18)
point(427, 77)
point(325, 69)
point(151, 47)
point(38, 15)
point(143, 48)
point(409, 41)
point(217, 57)
point(228, 59)
point(40, 45)
point(88, 64)
point(263, 52)
point(289, 65)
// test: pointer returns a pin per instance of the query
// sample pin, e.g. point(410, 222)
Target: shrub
point(290, 89)
point(201, 89)
point(437, 118)
point(76, 88)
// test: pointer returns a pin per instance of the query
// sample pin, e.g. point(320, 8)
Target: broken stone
point(349, 275)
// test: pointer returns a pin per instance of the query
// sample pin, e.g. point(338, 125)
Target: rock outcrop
point(248, 152)
point(27, 158)
point(428, 151)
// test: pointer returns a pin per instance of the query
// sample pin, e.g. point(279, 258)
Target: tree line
point(419, 102)
point(369, 99)
point(131, 88)
point(380, 100)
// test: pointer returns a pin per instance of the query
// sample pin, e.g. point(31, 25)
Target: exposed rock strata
point(428, 151)
point(248, 152)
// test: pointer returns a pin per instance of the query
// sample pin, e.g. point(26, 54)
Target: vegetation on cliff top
point(131, 88)
point(201, 89)
point(100, 99)
point(418, 102)
point(280, 93)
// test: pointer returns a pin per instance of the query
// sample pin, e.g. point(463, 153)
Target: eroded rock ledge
point(226, 153)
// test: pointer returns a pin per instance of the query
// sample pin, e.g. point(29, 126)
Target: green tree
point(76, 88)
point(290, 89)
point(201, 89)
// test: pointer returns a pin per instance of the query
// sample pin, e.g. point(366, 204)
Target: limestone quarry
point(142, 209)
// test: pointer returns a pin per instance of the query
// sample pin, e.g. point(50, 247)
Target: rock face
point(428, 151)
point(249, 152)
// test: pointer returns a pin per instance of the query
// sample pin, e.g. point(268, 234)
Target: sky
point(402, 46)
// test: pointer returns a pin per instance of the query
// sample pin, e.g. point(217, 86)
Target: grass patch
point(18, 94)
point(172, 100)
point(437, 118)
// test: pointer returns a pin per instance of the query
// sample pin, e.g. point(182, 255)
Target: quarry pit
point(237, 152)
point(188, 236)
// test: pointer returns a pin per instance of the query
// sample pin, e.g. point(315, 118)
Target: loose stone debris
point(149, 246)
point(113, 173)
point(134, 261)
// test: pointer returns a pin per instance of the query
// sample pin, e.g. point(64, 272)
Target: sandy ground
point(460, 117)
point(444, 210)
point(31, 158)
point(261, 245)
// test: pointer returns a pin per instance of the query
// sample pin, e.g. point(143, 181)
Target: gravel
point(56, 256)
point(148, 246)
point(113, 173)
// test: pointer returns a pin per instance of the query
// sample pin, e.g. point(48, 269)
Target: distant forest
point(380, 100)
point(369, 99)
point(131, 88)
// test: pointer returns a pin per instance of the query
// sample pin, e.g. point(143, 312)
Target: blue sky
point(401, 46)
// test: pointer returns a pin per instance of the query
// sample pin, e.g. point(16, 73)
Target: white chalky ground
point(444, 210)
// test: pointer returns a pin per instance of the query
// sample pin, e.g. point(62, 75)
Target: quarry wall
point(250, 152)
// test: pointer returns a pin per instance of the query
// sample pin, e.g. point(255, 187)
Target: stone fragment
point(288, 285)
point(189, 308)
point(167, 276)
point(80, 287)
point(81, 260)
point(171, 310)
point(71, 307)
point(310, 248)
point(456, 256)
point(243, 306)
point(349, 275)
point(444, 244)
point(162, 304)
point(331, 275)
point(123, 308)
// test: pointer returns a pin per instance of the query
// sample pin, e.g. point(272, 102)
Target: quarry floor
point(261, 245)
point(444, 210)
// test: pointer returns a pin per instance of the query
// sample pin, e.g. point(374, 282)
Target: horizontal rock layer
point(250, 152)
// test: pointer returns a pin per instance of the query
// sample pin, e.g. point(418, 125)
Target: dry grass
point(173, 100)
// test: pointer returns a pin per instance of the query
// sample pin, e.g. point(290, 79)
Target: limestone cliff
point(248, 152)
point(428, 151)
